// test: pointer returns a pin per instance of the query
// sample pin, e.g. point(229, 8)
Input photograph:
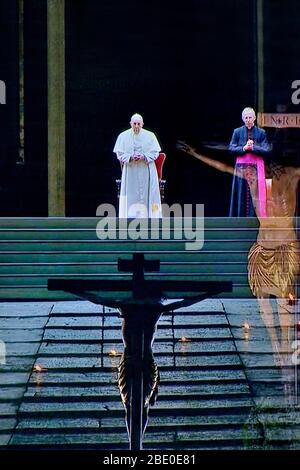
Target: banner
point(280, 120)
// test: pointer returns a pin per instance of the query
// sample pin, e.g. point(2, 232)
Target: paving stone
point(200, 388)
point(161, 334)
point(112, 321)
point(86, 376)
point(289, 417)
point(56, 439)
point(264, 375)
point(239, 306)
point(4, 439)
point(69, 407)
point(255, 320)
point(8, 409)
point(92, 391)
point(211, 375)
point(77, 322)
point(258, 360)
point(267, 389)
point(197, 405)
point(165, 391)
point(213, 347)
point(86, 349)
point(203, 446)
point(7, 423)
point(242, 434)
point(207, 305)
point(208, 421)
point(66, 362)
point(256, 334)
point(78, 335)
point(162, 361)
point(201, 332)
point(238, 321)
point(17, 364)
point(207, 361)
point(162, 347)
point(13, 378)
point(109, 310)
point(166, 320)
point(204, 404)
point(283, 433)
point(26, 309)
point(201, 319)
point(20, 336)
point(80, 306)
point(59, 423)
point(11, 394)
point(271, 402)
point(22, 349)
point(249, 346)
point(18, 323)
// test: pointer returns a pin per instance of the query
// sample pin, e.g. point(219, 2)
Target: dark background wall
point(23, 188)
point(189, 68)
point(9, 122)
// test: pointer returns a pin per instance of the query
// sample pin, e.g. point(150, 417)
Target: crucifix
point(140, 302)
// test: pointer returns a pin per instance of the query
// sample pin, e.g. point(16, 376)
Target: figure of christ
point(273, 260)
point(134, 325)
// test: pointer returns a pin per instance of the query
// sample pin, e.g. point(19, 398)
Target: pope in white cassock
point(137, 149)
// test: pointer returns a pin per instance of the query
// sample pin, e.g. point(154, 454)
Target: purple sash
point(251, 159)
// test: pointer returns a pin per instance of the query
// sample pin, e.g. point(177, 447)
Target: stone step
point(155, 423)
point(110, 334)
point(165, 391)
point(173, 376)
point(100, 321)
point(179, 440)
point(105, 406)
point(167, 347)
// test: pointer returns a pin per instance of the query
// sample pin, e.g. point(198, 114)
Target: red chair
point(159, 163)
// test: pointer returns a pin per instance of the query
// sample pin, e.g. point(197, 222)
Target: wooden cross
point(138, 266)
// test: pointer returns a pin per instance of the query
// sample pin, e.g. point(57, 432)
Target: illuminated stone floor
point(223, 388)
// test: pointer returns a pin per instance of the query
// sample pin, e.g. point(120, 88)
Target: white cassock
point(139, 194)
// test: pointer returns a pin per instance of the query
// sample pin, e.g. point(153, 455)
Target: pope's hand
point(137, 156)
